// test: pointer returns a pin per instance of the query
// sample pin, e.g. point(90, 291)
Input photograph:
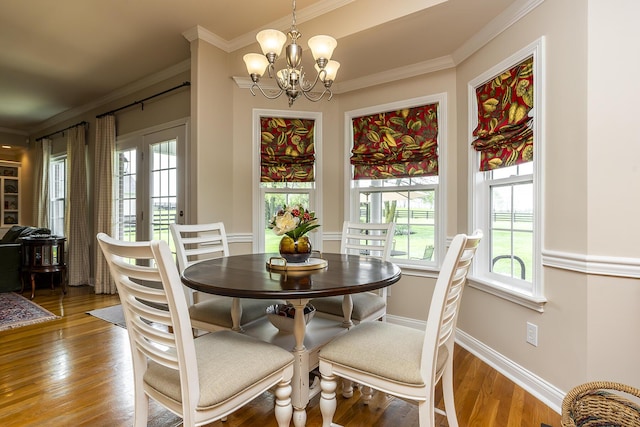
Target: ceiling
point(62, 55)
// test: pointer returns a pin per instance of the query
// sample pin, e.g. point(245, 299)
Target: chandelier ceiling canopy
point(291, 79)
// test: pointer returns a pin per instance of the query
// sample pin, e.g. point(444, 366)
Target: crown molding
point(115, 95)
point(510, 16)
point(303, 15)
point(399, 73)
point(500, 23)
point(306, 14)
point(405, 72)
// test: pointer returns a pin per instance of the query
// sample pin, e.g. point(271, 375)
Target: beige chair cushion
point(217, 311)
point(228, 363)
point(384, 350)
point(364, 305)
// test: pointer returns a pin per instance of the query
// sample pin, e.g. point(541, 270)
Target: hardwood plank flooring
point(77, 371)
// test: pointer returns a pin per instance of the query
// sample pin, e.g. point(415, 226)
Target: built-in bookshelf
point(10, 200)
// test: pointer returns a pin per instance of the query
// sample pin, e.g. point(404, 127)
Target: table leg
point(347, 310)
point(63, 279)
point(236, 314)
point(33, 285)
point(300, 382)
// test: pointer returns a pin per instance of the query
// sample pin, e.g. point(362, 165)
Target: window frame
point(259, 192)
point(59, 158)
point(480, 276)
point(352, 193)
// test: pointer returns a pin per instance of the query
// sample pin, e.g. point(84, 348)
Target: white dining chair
point(367, 239)
point(199, 379)
point(400, 360)
point(197, 242)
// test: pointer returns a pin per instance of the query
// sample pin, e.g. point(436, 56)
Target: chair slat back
point(367, 239)
point(195, 242)
point(154, 308)
point(445, 302)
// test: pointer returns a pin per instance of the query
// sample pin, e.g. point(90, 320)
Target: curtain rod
point(82, 123)
point(143, 100)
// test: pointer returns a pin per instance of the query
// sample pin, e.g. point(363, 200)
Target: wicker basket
point(593, 404)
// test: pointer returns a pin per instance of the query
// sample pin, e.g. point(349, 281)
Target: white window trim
point(315, 195)
point(477, 215)
point(54, 159)
point(350, 203)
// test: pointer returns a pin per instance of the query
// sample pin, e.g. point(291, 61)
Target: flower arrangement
point(295, 221)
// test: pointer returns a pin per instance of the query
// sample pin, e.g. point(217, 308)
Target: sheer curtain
point(41, 184)
point(103, 196)
point(76, 211)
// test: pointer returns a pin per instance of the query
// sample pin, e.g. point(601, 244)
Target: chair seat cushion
point(384, 350)
point(217, 311)
point(228, 364)
point(365, 304)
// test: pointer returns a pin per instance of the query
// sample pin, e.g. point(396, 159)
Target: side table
point(43, 254)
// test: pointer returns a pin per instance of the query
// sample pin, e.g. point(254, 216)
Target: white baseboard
point(542, 390)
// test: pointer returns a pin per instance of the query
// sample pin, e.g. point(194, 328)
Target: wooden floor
point(76, 371)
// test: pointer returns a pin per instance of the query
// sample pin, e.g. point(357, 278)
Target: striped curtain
point(504, 134)
point(103, 197)
point(76, 227)
point(41, 184)
point(287, 152)
point(396, 144)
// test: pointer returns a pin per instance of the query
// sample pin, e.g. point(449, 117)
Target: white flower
point(285, 223)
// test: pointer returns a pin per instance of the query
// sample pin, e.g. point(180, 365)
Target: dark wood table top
point(247, 276)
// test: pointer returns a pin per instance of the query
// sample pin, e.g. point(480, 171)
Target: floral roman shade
point(287, 151)
point(396, 144)
point(504, 135)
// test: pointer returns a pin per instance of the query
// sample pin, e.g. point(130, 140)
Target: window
point(395, 161)
point(505, 172)
point(287, 169)
point(57, 194)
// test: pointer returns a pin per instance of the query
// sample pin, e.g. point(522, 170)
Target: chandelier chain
point(293, 25)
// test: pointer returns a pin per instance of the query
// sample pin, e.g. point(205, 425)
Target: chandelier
point(291, 80)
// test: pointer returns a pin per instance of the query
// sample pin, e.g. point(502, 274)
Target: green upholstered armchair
point(10, 248)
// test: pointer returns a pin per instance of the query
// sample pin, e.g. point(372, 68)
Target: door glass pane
point(125, 200)
point(163, 189)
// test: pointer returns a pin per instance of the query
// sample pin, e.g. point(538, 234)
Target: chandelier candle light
point(291, 80)
point(294, 222)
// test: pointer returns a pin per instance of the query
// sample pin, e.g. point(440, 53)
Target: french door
point(149, 184)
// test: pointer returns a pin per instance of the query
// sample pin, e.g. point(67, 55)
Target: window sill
point(417, 270)
point(513, 295)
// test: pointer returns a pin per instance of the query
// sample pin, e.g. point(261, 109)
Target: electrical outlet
point(532, 334)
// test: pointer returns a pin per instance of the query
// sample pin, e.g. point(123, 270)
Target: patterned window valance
point(504, 135)
point(287, 150)
point(396, 144)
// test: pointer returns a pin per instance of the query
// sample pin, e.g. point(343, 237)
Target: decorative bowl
point(281, 315)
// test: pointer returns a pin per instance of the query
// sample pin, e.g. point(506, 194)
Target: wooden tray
point(280, 264)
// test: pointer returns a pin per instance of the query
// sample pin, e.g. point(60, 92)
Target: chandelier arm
point(263, 92)
point(309, 87)
point(312, 99)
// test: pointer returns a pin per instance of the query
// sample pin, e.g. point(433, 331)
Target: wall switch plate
point(532, 334)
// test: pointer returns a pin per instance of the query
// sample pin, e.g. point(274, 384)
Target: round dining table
point(267, 276)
